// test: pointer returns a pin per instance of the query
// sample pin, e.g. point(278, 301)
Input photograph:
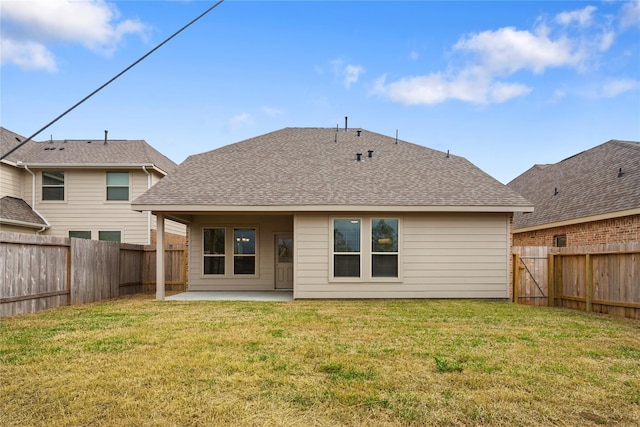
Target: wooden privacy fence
point(603, 278)
point(41, 272)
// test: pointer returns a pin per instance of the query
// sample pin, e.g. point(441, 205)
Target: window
point(117, 185)
point(384, 248)
point(346, 248)
point(560, 241)
point(110, 236)
point(214, 250)
point(80, 234)
point(244, 251)
point(52, 185)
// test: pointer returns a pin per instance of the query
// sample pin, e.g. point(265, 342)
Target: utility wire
point(110, 81)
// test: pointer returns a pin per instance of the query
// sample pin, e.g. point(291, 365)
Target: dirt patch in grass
point(136, 361)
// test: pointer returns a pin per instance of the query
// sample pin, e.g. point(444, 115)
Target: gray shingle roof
point(8, 141)
point(307, 167)
point(88, 152)
point(14, 209)
point(587, 183)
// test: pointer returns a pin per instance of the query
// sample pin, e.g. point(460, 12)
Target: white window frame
point(43, 186)
point(366, 252)
point(107, 186)
point(372, 253)
point(254, 255)
point(112, 231)
point(230, 255)
point(223, 256)
point(333, 253)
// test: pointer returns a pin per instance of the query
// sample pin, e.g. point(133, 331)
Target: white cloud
point(352, 74)
point(508, 50)
point(483, 63)
point(348, 73)
point(414, 55)
point(27, 55)
point(630, 14)
point(613, 88)
point(582, 17)
point(238, 121)
point(95, 25)
point(436, 88)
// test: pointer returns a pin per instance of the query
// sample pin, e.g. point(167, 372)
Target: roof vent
point(346, 118)
point(396, 136)
point(370, 155)
point(105, 136)
point(88, 142)
point(358, 156)
point(448, 156)
point(555, 191)
point(358, 132)
point(620, 173)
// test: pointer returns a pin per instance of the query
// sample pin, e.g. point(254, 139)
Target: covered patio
point(232, 296)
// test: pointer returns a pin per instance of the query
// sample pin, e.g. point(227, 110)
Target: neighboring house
point(339, 214)
point(80, 188)
point(590, 198)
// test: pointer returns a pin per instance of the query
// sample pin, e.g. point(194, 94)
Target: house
point(336, 213)
point(590, 198)
point(80, 188)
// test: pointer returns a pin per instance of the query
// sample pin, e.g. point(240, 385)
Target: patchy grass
point(135, 361)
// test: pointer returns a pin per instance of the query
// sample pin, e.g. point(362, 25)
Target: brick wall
point(625, 229)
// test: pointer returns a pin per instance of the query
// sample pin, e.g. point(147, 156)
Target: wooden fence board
point(41, 272)
point(602, 278)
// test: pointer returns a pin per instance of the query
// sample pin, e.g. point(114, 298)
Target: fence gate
point(530, 275)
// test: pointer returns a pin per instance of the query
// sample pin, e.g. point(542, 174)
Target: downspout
point(33, 199)
point(144, 168)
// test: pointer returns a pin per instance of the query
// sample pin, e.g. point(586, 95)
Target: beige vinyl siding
point(441, 256)
point(85, 207)
point(11, 182)
point(267, 226)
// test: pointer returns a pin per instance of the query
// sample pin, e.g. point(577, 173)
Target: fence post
point(516, 277)
point(551, 280)
point(184, 269)
point(558, 281)
point(589, 281)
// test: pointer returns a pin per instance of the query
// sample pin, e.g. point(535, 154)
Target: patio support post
point(160, 257)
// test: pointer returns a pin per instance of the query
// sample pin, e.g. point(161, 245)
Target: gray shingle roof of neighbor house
point(9, 140)
point(87, 153)
point(598, 181)
point(313, 167)
point(16, 210)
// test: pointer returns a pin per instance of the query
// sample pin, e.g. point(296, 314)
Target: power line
point(111, 80)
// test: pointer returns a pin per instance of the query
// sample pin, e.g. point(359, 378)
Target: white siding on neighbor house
point(11, 182)
point(267, 227)
point(440, 256)
point(85, 207)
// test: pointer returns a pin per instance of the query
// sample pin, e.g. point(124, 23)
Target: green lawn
point(135, 361)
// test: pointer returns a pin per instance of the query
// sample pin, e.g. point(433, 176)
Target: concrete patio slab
point(232, 296)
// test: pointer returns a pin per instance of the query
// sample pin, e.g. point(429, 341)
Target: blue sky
point(504, 84)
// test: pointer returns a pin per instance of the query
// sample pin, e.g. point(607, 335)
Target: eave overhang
point(113, 166)
point(23, 223)
point(203, 209)
point(573, 221)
